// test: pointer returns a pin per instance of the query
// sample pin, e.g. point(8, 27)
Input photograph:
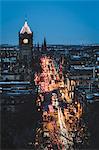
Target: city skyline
point(61, 22)
point(49, 74)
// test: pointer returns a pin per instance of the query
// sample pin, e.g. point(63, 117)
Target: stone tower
point(26, 53)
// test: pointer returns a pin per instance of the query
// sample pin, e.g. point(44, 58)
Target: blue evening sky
point(61, 22)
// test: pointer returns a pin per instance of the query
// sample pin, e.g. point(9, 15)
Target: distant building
point(9, 63)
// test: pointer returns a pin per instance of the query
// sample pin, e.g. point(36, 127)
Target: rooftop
point(26, 29)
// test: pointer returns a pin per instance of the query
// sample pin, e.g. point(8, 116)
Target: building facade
point(9, 63)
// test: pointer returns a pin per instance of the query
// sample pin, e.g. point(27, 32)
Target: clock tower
point(26, 54)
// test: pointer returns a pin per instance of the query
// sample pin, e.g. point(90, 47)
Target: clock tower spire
point(25, 36)
point(26, 46)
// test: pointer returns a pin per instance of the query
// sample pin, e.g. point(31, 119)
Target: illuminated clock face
point(25, 41)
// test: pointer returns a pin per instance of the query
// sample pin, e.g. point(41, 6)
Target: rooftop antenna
point(25, 17)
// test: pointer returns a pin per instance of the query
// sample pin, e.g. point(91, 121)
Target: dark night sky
point(61, 22)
